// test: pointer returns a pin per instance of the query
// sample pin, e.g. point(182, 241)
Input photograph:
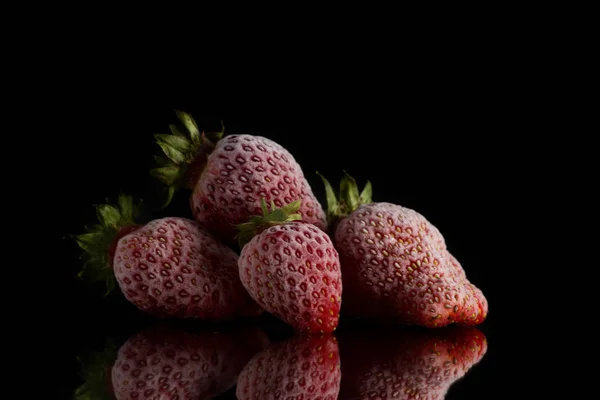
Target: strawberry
point(229, 176)
point(163, 362)
point(303, 367)
point(291, 269)
point(167, 267)
point(413, 363)
point(395, 263)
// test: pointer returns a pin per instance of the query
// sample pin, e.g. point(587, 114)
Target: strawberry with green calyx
point(99, 242)
point(349, 198)
point(276, 216)
point(185, 154)
point(396, 265)
point(291, 269)
point(229, 175)
point(169, 267)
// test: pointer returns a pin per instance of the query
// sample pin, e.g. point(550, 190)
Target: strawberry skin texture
point(304, 367)
point(395, 264)
point(292, 271)
point(407, 364)
point(163, 362)
point(172, 267)
point(240, 171)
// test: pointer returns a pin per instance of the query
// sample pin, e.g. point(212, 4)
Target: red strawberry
point(168, 267)
point(291, 269)
point(395, 264)
point(407, 363)
point(163, 362)
point(229, 176)
point(304, 367)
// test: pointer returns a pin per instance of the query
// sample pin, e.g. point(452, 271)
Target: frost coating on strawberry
point(229, 176)
point(300, 368)
point(168, 267)
point(162, 362)
point(292, 271)
point(407, 364)
point(173, 267)
point(395, 264)
point(240, 171)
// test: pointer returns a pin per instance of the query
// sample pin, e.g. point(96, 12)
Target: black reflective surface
point(132, 356)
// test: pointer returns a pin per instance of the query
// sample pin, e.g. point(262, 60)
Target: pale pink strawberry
point(394, 363)
point(395, 264)
point(303, 367)
point(165, 362)
point(229, 176)
point(291, 269)
point(168, 267)
point(475, 292)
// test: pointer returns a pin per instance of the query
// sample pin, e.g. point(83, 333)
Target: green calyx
point(180, 148)
point(98, 240)
point(95, 369)
point(259, 223)
point(348, 199)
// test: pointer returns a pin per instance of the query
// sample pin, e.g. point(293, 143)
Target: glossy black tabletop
point(123, 354)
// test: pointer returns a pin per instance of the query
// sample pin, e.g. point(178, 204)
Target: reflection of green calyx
point(95, 370)
point(348, 198)
point(99, 239)
point(259, 223)
point(180, 149)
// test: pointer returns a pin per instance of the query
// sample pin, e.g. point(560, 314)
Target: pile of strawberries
point(362, 259)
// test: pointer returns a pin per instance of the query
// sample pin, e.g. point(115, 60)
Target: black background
point(462, 119)
point(448, 157)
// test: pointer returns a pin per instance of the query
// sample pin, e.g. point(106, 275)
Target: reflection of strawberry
point(304, 367)
point(395, 264)
point(229, 176)
point(163, 362)
point(95, 370)
point(409, 363)
point(168, 267)
point(291, 269)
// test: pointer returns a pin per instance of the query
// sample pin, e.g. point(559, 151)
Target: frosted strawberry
point(167, 267)
point(228, 176)
point(407, 363)
point(304, 367)
point(291, 269)
point(395, 263)
point(163, 362)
